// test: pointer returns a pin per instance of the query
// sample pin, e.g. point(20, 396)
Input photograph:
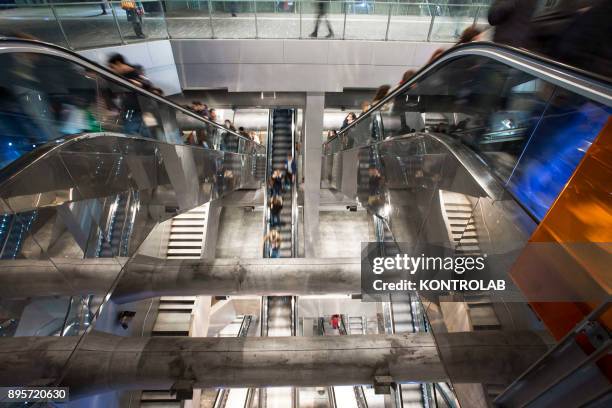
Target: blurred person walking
point(381, 92)
point(575, 33)
point(103, 7)
point(276, 206)
point(272, 243)
point(131, 110)
point(276, 183)
point(290, 170)
point(322, 14)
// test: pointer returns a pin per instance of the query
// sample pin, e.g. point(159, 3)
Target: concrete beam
point(105, 362)
point(146, 277)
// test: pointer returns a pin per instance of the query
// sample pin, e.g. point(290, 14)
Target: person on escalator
point(276, 206)
point(131, 109)
point(290, 170)
point(276, 183)
point(381, 92)
point(133, 73)
point(199, 108)
point(471, 33)
point(229, 125)
point(244, 133)
point(581, 39)
point(272, 243)
point(335, 322)
point(350, 118)
point(511, 20)
point(375, 188)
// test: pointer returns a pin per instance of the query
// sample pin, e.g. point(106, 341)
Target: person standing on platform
point(134, 13)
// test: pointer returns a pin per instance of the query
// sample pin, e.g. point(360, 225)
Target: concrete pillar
point(212, 230)
point(313, 129)
point(180, 166)
point(105, 362)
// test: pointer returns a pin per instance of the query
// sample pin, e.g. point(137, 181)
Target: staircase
point(458, 209)
point(458, 213)
point(356, 325)
point(173, 319)
point(187, 233)
point(174, 316)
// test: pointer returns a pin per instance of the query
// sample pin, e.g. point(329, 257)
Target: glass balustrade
point(90, 24)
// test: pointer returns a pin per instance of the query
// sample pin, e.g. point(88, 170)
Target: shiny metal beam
point(146, 277)
point(105, 362)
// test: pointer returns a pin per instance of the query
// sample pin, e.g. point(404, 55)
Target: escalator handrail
point(588, 84)
point(12, 169)
point(7, 44)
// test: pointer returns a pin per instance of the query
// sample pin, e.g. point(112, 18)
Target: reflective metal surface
point(469, 155)
point(49, 94)
point(90, 165)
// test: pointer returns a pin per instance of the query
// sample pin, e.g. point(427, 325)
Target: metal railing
point(91, 24)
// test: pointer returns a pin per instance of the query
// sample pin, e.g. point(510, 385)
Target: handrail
point(222, 394)
point(593, 317)
point(7, 45)
point(268, 174)
point(331, 396)
point(294, 204)
point(589, 84)
point(429, 10)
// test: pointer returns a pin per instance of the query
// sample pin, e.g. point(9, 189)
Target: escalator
point(234, 397)
point(103, 154)
point(281, 145)
point(403, 313)
point(90, 164)
point(278, 320)
point(280, 311)
point(490, 150)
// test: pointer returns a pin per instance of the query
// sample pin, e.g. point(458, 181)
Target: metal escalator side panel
point(100, 165)
point(50, 93)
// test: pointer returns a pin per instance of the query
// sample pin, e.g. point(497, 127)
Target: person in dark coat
point(511, 19)
point(586, 44)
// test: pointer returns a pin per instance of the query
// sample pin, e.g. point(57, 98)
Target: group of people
point(203, 110)
point(137, 120)
point(281, 180)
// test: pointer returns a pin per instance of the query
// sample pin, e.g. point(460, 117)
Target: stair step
point(190, 244)
point(187, 237)
point(185, 229)
point(188, 223)
point(180, 251)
